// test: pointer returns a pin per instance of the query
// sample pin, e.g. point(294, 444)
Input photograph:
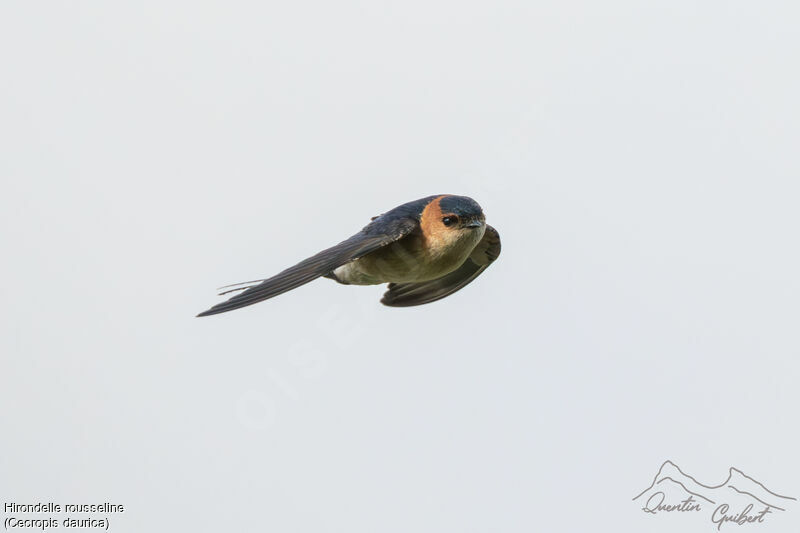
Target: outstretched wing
point(376, 235)
point(408, 294)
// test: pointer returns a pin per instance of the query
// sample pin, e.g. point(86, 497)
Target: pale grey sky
point(639, 159)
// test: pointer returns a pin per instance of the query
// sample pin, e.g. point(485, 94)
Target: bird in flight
point(425, 250)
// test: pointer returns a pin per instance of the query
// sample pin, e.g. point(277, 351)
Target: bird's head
point(448, 220)
point(461, 213)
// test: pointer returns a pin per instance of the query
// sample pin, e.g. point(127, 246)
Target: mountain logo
point(739, 500)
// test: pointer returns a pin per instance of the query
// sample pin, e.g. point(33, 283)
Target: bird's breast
point(412, 259)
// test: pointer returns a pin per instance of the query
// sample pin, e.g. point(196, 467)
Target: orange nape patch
point(430, 221)
point(431, 216)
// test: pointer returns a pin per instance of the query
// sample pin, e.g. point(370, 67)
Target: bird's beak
point(474, 224)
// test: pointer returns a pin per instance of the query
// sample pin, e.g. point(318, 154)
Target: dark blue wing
point(383, 230)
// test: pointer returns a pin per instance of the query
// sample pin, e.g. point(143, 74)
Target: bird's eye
point(449, 221)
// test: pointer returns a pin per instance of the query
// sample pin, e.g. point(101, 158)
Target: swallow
point(425, 250)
